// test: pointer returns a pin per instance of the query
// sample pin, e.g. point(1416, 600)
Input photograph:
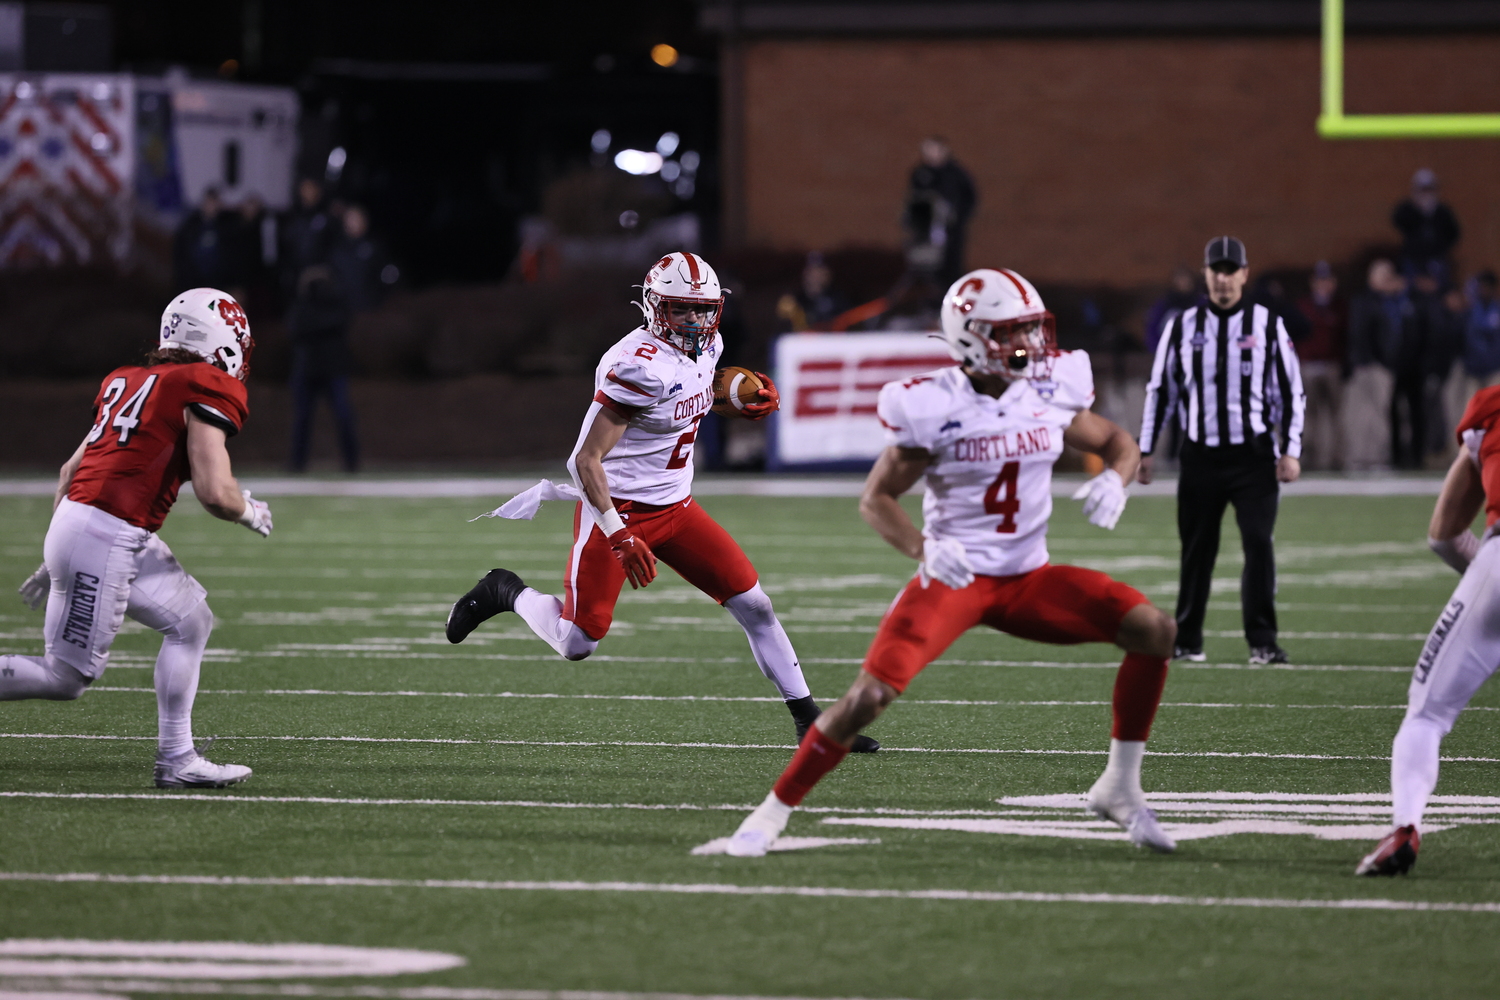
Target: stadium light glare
point(664, 56)
point(1334, 124)
point(638, 161)
point(668, 143)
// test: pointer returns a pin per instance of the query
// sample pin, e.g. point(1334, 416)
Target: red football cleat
point(1394, 855)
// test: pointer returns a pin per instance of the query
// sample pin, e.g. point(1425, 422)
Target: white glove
point(257, 515)
point(1103, 499)
point(1457, 551)
point(944, 560)
point(34, 591)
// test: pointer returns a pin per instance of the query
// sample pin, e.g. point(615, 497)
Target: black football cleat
point(497, 592)
point(1269, 654)
point(805, 710)
point(1394, 855)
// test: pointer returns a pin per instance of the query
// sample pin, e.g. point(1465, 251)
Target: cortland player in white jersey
point(632, 471)
point(985, 436)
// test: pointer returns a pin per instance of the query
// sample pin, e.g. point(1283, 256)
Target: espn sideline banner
point(829, 384)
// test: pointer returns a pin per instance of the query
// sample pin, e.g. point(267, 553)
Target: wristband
point(610, 522)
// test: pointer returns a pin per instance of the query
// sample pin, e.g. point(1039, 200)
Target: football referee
point(1226, 371)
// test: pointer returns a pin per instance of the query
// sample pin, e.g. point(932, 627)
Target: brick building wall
point(1108, 160)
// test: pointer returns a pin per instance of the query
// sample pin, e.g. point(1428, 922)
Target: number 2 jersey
point(135, 459)
point(663, 393)
point(990, 483)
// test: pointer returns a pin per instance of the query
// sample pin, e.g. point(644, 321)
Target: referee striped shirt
point(1228, 376)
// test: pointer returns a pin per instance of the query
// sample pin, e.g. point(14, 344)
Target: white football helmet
point(995, 323)
point(212, 325)
point(682, 302)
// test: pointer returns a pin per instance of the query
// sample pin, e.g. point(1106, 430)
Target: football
point(734, 389)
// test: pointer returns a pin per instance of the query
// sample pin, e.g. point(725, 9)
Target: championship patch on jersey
point(1045, 387)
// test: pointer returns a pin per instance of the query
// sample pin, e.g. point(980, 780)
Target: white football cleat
point(760, 829)
point(193, 770)
point(1137, 819)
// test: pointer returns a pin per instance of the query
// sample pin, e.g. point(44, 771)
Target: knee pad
point(576, 645)
point(193, 628)
point(753, 607)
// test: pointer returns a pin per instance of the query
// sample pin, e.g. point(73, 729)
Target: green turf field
point(411, 794)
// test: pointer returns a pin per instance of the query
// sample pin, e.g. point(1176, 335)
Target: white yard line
point(1247, 754)
point(977, 702)
point(727, 889)
point(87, 988)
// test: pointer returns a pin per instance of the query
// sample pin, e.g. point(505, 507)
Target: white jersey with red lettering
point(663, 393)
point(990, 483)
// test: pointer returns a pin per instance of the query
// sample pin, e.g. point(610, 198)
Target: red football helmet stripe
point(1025, 295)
point(693, 275)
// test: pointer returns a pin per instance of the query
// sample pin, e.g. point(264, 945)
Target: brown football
point(734, 389)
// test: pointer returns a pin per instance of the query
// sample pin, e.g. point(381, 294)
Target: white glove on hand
point(1103, 499)
point(34, 591)
point(257, 516)
point(944, 560)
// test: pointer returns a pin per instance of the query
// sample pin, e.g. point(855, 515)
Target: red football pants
point(1063, 605)
point(682, 535)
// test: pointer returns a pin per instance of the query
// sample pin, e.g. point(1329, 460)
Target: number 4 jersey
point(136, 459)
point(663, 393)
point(990, 482)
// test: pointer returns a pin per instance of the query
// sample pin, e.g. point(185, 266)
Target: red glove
point(635, 556)
point(759, 411)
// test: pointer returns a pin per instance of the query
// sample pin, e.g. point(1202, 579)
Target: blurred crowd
point(316, 266)
point(1389, 362)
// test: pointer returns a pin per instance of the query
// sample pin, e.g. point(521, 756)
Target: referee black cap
point(1224, 250)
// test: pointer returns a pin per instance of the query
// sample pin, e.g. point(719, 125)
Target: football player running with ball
point(632, 474)
point(155, 425)
point(985, 435)
point(1463, 649)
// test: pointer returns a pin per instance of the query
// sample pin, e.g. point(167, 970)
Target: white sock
point(176, 678)
point(1121, 780)
point(543, 613)
point(24, 677)
point(1414, 769)
point(772, 814)
point(768, 642)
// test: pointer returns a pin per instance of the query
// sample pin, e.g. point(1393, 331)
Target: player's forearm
point(1121, 453)
point(65, 475)
point(1460, 500)
point(588, 475)
point(221, 497)
point(885, 514)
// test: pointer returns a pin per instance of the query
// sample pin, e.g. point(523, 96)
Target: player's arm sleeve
point(1288, 387)
point(629, 387)
point(1161, 388)
point(891, 408)
point(217, 398)
point(1074, 375)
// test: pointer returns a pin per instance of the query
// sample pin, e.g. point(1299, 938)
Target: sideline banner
point(829, 383)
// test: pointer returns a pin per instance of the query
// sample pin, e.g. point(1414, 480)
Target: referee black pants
point(1212, 478)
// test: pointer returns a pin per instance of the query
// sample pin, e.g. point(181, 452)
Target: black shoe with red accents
point(805, 710)
point(496, 593)
point(1394, 855)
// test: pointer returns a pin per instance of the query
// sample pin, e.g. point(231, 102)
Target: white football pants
point(102, 569)
point(1461, 653)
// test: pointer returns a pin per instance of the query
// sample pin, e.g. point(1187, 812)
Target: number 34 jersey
point(663, 393)
point(990, 482)
point(135, 457)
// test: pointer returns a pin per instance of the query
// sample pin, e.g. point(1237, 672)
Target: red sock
point(1137, 693)
point(814, 758)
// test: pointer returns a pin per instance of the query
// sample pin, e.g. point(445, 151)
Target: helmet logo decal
point(1025, 295)
point(965, 303)
point(233, 315)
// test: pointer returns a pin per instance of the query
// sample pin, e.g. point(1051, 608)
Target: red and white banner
point(829, 384)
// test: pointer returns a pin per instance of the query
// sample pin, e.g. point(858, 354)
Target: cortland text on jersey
point(1007, 444)
point(694, 405)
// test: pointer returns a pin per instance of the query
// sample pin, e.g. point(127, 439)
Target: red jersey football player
point(1463, 649)
point(155, 425)
point(633, 480)
point(985, 436)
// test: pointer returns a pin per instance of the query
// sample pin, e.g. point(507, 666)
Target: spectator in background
point(1322, 352)
point(940, 200)
point(1429, 230)
point(318, 322)
point(1182, 293)
point(306, 235)
point(203, 248)
point(1482, 335)
point(255, 254)
point(1376, 318)
point(815, 303)
point(359, 262)
point(1271, 292)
